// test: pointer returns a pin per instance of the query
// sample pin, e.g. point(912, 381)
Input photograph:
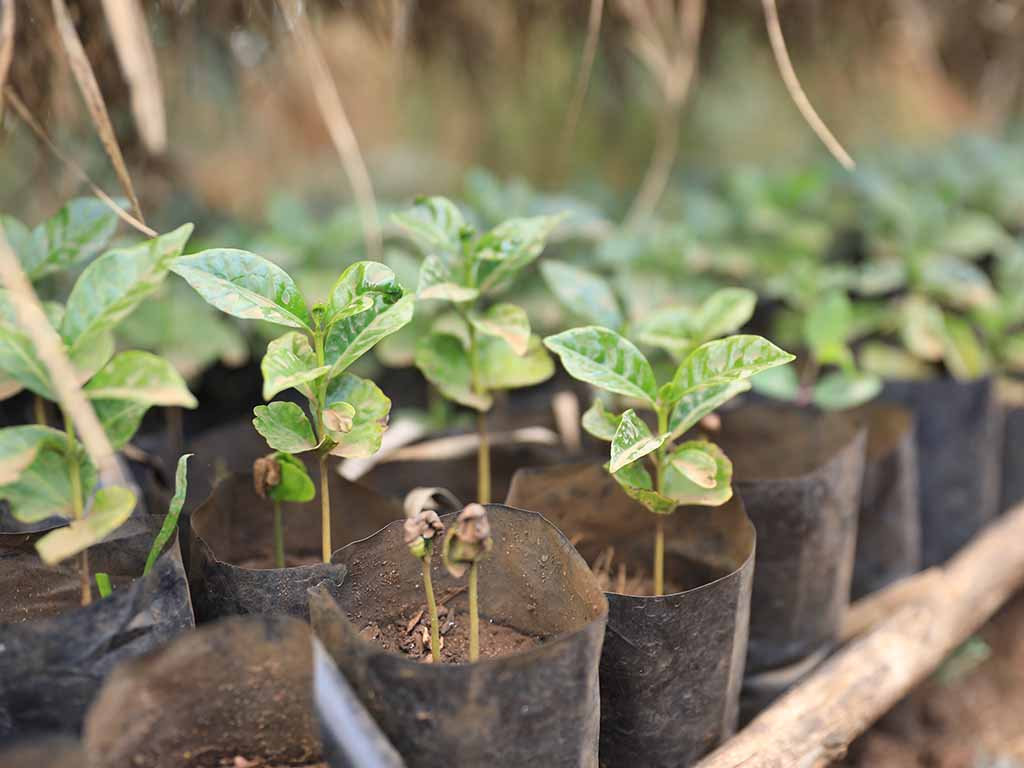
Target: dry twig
point(6, 46)
point(579, 94)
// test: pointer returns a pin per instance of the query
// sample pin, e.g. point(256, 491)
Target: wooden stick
point(875, 608)
point(813, 724)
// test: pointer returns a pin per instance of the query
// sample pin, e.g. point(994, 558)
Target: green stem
point(77, 506)
point(474, 617)
point(483, 461)
point(659, 530)
point(278, 536)
point(435, 631)
point(325, 510)
point(39, 410)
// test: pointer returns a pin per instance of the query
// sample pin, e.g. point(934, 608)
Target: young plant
point(282, 477)
point(421, 531)
point(45, 472)
point(478, 347)
point(349, 413)
point(693, 472)
point(465, 545)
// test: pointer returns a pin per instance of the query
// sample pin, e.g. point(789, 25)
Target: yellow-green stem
point(483, 461)
point(659, 556)
point(77, 505)
point(474, 617)
point(39, 410)
point(278, 536)
point(435, 631)
point(325, 510)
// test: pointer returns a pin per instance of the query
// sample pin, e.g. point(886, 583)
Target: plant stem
point(474, 616)
point(278, 536)
point(77, 507)
point(483, 461)
point(39, 410)
point(659, 557)
point(325, 510)
point(435, 633)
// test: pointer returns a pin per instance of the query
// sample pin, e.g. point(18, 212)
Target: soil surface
point(969, 714)
point(412, 635)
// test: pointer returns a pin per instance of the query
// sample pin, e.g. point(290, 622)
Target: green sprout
point(282, 477)
point(349, 413)
point(465, 545)
point(478, 347)
point(421, 531)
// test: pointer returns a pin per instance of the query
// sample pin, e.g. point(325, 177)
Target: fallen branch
point(813, 724)
point(872, 610)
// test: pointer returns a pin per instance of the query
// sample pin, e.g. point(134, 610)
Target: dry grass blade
point(6, 46)
point(135, 53)
point(339, 127)
point(51, 352)
point(796, 91)
point(86, 79)
point(572, 117)
point(37, 129)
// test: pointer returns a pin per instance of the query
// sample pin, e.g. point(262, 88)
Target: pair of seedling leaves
point(350, 413)
point(37, 462)
point(471, 351)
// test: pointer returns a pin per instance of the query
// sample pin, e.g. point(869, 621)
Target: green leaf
point(632, 441)
point(840, 390)
point(103, 585)
point(18, 359)
point(110, 510)
point(437, 282)
point(355, 289)
point(696, 464)
point(43, 489)
point(77, 232)
point(505, 321)
point(882, 276)
point(510, 246)
point(350, 338)
point(957, 282)
point(443, 360)
point(972, 234)
point(583, 293)
point(635, 480)
point(141, 377)
point(499, 367)
point(713, 490)
point(338, 418)
point(245, 285)
point(922, 328)
point(1013, 352)
point(724, 311)
point(170, 523)
point(779, 383)
point(436, 225)
point(693, 407)
point(112, 286)
point(285, 427)
point(892, 363)
point(290, 362)
point(19, 447)
point(602, 357)
point(28, 245)
point(827, 327)
point(964, 355)
point(295, 484)
point(371, 408)
point(599, 422)
point(723, 361)
point(671, 329)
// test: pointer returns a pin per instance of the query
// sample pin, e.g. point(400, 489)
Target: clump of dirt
point(972, 721)
point(411, 635)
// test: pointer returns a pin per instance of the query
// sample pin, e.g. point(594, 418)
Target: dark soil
point(291, 560)
point(411, 636)
point(971, 718)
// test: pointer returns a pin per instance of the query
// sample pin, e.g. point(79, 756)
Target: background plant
point(349, 413)
point(693, 472)
point(476, 348)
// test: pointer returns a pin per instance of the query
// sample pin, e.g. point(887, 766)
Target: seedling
point(170, 523)
point(693, 472)
point(476, 348)
point(44, 472)
point(421, 531)
point(465, 545)
point(282, 477)
point(349, 413)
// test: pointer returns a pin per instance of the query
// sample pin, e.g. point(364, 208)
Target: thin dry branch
point(338, 126)
point(90, 89)
point(33, 124)
point(137, 57)
point(665, 37)
point(6, 46)
point(796, 91)
point(50, 348)
point(814, 723)
point(579, 93)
